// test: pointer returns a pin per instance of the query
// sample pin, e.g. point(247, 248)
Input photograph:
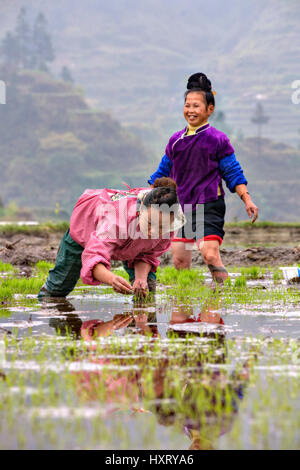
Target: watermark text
point(2, 92)
point(296, 93)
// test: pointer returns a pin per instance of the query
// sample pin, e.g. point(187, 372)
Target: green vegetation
point(277, 275)
point(232, 386)
point(64, 225)
point(182, 279)
point(63, 148)
point(28, 47)
point(182, 285)
point(263, 224)
point(254, 272)
point(34, 229)
point(9, 287)
point(240, 282)
point(42, 268)
point(50, 402)
point(6, 267)
point(219, 385)
point(72, 145)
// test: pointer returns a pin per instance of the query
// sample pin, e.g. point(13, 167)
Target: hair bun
point(199, 80)
point(164, 181)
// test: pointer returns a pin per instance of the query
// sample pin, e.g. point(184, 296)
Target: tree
point(10, 50)
point(42, 44)
point(23, 39)
point(66, 74)
point(27, 48)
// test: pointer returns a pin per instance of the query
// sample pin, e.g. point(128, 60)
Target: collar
point(198, 129)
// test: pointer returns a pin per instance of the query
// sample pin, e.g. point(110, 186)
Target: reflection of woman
point(207, 406)
point(114, 225)
point(194, 397)
point(69, 323)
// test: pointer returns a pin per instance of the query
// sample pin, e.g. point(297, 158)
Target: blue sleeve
point(231, 172)
point(163, 169)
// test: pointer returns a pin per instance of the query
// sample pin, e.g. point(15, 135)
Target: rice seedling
point(41, 268)
point(277, 276)
point(8, 268)
point(240, 282)
point(253, 272)
point(22, 286)
point(207, 383)
point(6, 293)
point(184, 278)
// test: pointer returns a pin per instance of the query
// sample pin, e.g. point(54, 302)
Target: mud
point(24, 250)
point(253, 256)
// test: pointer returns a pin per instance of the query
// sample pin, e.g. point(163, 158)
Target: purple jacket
point(195, 163)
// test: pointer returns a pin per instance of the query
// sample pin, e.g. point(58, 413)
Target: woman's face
point(154, 223)
point(195, 111)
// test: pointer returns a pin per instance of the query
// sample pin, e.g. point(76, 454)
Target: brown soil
point(254, 256)
point(24, 250)
point(255, 235)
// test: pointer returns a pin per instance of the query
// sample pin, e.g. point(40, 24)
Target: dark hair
point(199, 82)
point(162, 196)
point(164, 181)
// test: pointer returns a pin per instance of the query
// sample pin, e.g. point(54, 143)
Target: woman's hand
point(140, 288)
point(251, 209)
point(120, 285)
point(119, 321)
point(93, 328)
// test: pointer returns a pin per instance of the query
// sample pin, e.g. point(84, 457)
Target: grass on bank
point(262, 224)
point(63, 226)
point(47, 227)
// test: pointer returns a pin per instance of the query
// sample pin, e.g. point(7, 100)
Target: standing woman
point(198, 157)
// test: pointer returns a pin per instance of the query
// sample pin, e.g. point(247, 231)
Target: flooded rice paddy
point(192, 368)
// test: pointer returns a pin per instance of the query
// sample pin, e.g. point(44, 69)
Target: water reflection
point(69, 323)
point(191, 391)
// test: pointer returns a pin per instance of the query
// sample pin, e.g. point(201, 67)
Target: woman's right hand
point(120, 285)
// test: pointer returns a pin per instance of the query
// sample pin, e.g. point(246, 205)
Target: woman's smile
point(195, 110)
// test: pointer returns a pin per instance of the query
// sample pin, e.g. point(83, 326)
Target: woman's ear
point(211, 109)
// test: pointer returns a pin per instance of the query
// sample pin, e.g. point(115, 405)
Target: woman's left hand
point(252, 210)
point(94, 328)
point(140, 288)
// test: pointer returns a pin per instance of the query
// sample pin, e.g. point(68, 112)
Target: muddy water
point(97, 397)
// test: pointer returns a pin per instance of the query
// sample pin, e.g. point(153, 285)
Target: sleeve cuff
point(86, 272)
point(233, 184)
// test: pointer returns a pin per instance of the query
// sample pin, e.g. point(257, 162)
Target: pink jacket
point(108, 230)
